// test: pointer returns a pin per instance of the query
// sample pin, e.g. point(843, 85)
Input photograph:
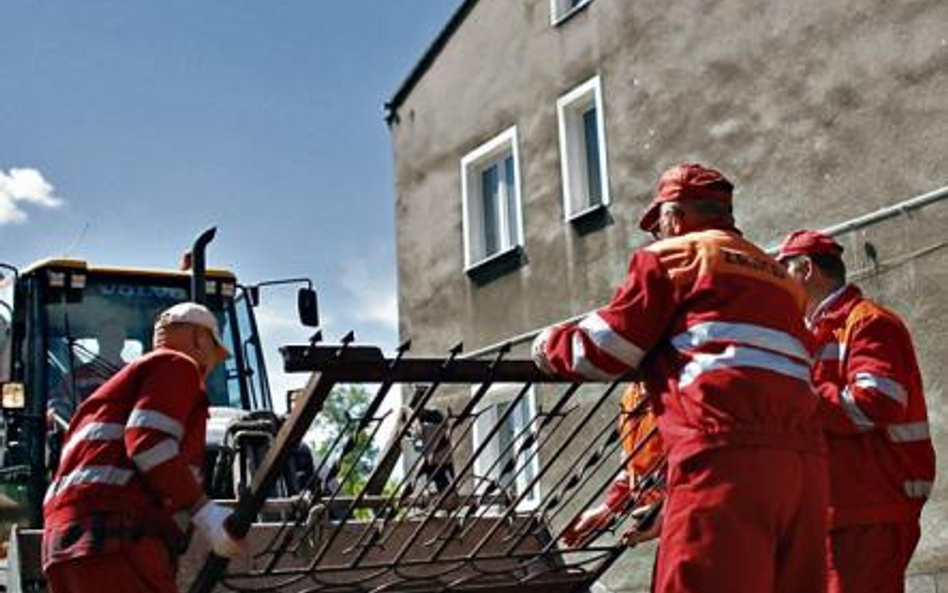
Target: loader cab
point(66, 327)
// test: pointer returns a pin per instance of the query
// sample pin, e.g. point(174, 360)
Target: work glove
point(647, 524)
point(209, 520)
point(538, 351)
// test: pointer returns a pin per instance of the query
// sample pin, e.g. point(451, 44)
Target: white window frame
point(487, 417)
point(573, 163)
point(472, 165)
point(560, 10)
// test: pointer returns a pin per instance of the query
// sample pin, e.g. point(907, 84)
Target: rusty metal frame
point(464, 537)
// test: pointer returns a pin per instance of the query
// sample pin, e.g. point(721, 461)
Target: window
point(490, 180)
point(509, 461)
point(560, 10)
point(583, 149)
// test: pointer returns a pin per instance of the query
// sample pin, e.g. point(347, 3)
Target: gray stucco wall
point(818, 111)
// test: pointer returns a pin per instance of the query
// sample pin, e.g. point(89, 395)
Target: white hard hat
point(194, 314)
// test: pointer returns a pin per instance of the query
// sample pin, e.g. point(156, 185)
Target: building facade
point(528, 139)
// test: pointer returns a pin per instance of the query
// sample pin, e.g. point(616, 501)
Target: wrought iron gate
point(454, 518)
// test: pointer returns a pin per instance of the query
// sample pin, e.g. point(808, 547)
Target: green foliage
point(340, 416)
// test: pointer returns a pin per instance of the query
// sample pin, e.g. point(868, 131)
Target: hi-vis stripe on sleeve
point(852, 410)
point(831, 351)
point(94, 431)
point(737, 357)
point(917, 488)
point(93, 474)
point(152, 419)
point(749, 334)
point(609, 341)
point(885, 385)
point(160, 453)
point(910, 432)
point(585, 367)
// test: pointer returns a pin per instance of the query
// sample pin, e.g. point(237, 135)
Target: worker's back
point(733, 365)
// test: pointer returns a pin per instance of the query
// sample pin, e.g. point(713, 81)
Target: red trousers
point(871, 558)
point(744, 520)
point(143, 566)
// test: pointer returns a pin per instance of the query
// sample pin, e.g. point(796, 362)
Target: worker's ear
point(808, 269)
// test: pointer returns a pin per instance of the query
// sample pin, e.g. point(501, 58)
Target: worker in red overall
point(881, 459)
point(715, 327)
point(640, 482)
point(130, 478)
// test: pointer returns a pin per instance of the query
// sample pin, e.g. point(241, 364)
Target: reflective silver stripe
point(748, 334)
point(737, 357)
point(831, 351)
point(917, 488)
point(152, 419)
point(608, 340)
point(905, 433)
point(583, 366)
point(157, 455)
point(94, 431)
point(889, 387)
point(93, 474)
point(852, 410)
point(197, 472)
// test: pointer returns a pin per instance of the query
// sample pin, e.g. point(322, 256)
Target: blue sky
point(127, 127)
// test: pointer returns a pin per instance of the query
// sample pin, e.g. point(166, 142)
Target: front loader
point(67, 325)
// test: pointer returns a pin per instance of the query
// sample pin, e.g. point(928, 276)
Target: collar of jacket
point(839, 307)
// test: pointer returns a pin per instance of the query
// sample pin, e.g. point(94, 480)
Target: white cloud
point(373, 296)
point(20, 187)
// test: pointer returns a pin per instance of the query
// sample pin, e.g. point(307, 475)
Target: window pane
point(489, 190)
point(511, 236)
point(591, 138)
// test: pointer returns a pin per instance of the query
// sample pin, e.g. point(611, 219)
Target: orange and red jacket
point(882, 463)
point(134, 449)
point(716, 327)
point(642, 447)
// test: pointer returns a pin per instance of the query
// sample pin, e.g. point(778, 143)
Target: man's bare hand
point(591, 521)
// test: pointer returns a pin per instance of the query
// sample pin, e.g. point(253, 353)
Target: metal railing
point(464, 514)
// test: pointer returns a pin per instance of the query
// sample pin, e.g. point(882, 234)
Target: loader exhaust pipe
point(198, 265)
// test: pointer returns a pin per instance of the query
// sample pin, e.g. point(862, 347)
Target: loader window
point(90, 339)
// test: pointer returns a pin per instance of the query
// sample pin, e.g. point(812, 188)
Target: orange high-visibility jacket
point(717, 327)
point(882, 463)
point(135, 448)
point(641, 444)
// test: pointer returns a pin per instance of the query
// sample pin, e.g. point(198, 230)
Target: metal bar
point(288, 438)
point(468, 412)
point(368, 365)
point(442, 368)
point(467, 466)
point(555, 413)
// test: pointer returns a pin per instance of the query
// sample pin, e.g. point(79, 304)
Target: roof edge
point(427, 59)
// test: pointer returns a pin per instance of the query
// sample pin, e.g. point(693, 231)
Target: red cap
point(808, 243)
point(687, 181)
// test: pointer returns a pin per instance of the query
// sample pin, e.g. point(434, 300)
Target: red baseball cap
point(808, 243)
point(687, 181)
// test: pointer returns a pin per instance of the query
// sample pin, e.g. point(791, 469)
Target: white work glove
point(538, 351)
point(209, 520)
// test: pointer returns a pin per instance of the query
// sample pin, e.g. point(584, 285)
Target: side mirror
point(308, 307)
point(14, 396)
point(253, 293)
